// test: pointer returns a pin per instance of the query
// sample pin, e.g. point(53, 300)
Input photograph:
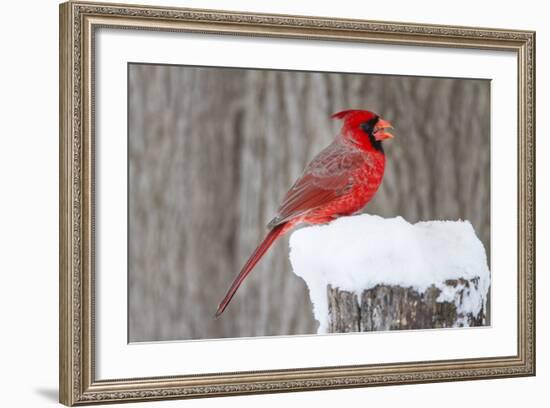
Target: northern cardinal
point(339, 181)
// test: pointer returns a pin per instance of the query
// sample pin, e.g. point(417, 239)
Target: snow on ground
point(359, 252)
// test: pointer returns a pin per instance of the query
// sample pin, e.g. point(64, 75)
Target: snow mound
point(359, 252)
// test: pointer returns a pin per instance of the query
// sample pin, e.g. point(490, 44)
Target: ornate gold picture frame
point(79, 23)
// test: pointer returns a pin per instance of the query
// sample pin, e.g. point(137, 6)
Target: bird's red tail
point(270, 238)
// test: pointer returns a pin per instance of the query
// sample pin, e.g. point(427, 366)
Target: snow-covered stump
point(387, 307)
point(367, 273)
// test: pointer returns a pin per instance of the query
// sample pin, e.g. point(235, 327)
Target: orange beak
point(380, 130)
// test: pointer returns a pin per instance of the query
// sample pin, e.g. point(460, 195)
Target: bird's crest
point(342, 114)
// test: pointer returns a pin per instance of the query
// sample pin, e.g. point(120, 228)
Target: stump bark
point(387, 307)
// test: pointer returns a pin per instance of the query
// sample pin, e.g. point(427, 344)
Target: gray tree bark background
point(212, 152)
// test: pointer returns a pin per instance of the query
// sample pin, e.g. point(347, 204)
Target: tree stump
point(387, 307)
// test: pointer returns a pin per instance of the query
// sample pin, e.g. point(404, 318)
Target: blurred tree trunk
point(212, 152)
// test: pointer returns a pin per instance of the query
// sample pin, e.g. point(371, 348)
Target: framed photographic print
point(256, 203)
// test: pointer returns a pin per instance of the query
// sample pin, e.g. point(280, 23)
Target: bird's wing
point(327, 177)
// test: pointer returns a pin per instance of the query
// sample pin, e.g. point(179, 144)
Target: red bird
point(340, 180)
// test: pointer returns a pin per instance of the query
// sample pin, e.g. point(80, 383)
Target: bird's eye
point(368, 126)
